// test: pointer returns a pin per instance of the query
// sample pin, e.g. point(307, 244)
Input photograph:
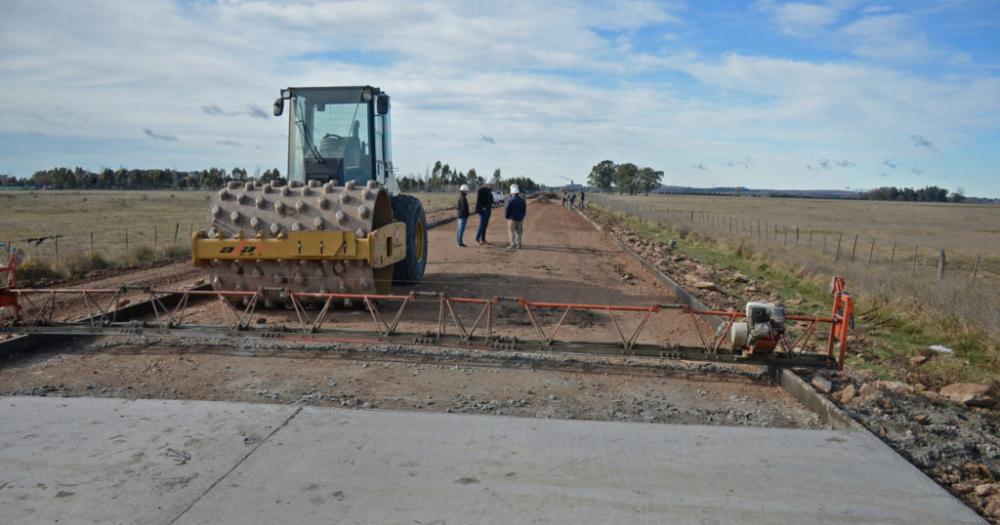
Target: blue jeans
point(484, 221)
point(461, 228)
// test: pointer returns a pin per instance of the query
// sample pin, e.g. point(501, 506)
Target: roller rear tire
point(409, 210)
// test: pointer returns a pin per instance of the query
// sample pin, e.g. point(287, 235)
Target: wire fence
point(838, 246)
point(128, 244)
point(965, 284)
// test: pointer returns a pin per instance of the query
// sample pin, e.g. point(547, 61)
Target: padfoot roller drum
point(309, 238)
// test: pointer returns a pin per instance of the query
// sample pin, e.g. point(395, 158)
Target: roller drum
point(267, 211)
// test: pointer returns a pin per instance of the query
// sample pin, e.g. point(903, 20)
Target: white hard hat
point(514, 189)
point(464, 187)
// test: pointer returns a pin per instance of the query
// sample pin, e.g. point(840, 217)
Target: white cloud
point(552, 95)
point(804, 19)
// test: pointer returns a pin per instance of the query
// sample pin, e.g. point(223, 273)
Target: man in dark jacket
point(463, 213)
point(515, 212)
point(484, 207)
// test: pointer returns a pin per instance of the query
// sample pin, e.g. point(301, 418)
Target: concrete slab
point(345, 466)
point(84, 460)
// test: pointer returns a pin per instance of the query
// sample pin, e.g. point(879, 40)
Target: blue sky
point(835, 94)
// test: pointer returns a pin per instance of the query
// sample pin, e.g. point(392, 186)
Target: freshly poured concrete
point(114, 461)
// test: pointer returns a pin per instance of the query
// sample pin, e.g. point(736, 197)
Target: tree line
point(624, 178)
point(442, 176)
point(926, 194)
point(133, 179)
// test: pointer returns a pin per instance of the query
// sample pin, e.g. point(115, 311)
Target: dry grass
point(75, 215)
point(963, 231)
point(900, 312)
point(438, 201)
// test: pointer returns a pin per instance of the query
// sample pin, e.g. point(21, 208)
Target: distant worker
point(572, 200)
point(463, 213)
point(515, 213)
point(484, 207)
point(581, 199)
point(564, 199)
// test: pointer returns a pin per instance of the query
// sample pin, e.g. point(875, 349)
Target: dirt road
point(564, 259)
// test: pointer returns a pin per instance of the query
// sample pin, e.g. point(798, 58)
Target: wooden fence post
point(914, 270)
point(840, 238)
point(758, 228)
point(796, 235)
point(57, 248)
point(854, 248)
point(892, 258)
point(784, 236)
point(91, 244)
point(871, 252)
point(941, 265)
point(975, 270)
point(177, 229)
point(126, 242)
point(154, 237)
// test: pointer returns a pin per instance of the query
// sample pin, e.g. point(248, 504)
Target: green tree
point(625, 177)
point(648, 180)
point(602, 175)
point(473, 178)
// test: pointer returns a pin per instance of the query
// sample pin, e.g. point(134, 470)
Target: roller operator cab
point(338, 134)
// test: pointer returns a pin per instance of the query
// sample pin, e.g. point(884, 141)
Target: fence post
point(190, 230)
point(837, 257)
point(730, 225)
point(892, 258)
point(941, 264)
point(177, 229)
point(691, 216)
point(126, 242)
point(784, 236)
point(91, 244)
point(154, 237)
point(854, 248)
point(758, 228)
point(975, 270)
point(914, 270)
point(823, 249)
point(796, 235)
point(871, 252)
point(57, 248)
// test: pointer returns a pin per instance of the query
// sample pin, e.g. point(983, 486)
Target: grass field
point(84, 230)
point(965, 230)
point(81, 223)
point(901, 310)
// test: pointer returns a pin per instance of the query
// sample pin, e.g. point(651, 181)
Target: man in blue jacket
point(484, 206)
point(515, 212)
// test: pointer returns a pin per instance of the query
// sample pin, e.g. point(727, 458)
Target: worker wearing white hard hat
point(515, 212)
point(463, 213)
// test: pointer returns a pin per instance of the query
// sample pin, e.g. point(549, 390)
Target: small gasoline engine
point(760, 333)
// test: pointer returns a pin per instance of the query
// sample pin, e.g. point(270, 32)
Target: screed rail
point(316, 317)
